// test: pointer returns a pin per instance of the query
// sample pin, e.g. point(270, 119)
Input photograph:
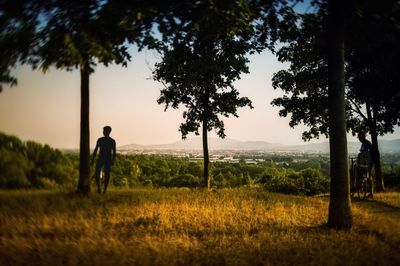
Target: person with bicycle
point(365, 159)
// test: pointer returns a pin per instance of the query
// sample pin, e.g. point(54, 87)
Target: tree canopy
point(18, 26)
point(206, 53)
point(372, 60)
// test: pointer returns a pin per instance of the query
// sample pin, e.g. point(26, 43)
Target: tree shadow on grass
point(376, 206)
point(317, 229)
point(53, 202)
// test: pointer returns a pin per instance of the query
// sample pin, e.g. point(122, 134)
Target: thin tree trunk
point(340, 216)
point(84, 154)
point(206, 174)
point(376, 156)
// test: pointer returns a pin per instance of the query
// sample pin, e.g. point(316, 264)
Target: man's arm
point(114, 152)
point(95, 151)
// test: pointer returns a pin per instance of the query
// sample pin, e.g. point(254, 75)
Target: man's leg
point(107, 167)
point(97, 175)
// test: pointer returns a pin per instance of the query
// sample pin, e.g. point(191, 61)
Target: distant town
point(231, 156)
point(250, 156)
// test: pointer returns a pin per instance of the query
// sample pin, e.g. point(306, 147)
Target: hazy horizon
point(45, 108)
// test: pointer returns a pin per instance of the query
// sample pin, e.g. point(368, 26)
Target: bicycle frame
point(360, 179)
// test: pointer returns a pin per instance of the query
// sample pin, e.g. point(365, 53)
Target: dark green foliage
point(313, 182)
point(391, 171)
point(287, 184)
point(165, 171)
point(307, 181)
point(18, 22)
point(206, 55)
point(155, 170)
point(372, 59)
point(25, 165)
point(125, 172)
point(305, 83)
point(83, 33)
point(392, 180)
point(185, 180)
point(31, 165)
point(14, 167)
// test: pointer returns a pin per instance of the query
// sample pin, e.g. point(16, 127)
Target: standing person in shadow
point(366, 157)
point(106, 158)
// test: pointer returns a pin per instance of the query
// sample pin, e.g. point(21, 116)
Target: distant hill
point(386, 146)
point(214, 144)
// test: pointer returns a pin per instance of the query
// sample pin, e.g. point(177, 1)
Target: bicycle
point(360, 176)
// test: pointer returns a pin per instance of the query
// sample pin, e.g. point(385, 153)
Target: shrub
point(392, 181)
point(308, 182)
point(13, 170)
point(147, 183)
point(120, 181)
point(314, 182)
point(186, 180)
point(47, 183)
point(284, 185)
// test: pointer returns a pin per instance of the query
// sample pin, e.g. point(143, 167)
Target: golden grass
point(192, 227)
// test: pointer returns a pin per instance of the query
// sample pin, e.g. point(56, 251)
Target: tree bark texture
point(379, 182)
point(84, 148)
point(340, 216)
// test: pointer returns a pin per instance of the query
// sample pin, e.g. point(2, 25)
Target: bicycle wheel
point(362, 189)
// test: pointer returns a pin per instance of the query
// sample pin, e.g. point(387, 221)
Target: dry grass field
point(192, 227)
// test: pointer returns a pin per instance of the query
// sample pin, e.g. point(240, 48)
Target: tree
point(80, 34)
point(206, 54)
point(72, 35)
point(372, 60)
point(372, 67)
point(339, 205)
point(316, 84)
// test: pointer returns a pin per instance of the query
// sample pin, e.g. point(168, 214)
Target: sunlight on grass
point(192, 227)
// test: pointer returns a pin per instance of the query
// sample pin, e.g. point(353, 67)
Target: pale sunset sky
point(46, 107)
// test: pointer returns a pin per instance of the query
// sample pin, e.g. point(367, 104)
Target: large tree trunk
point(206, 174)
point(340, 216)
point(84, 154)
point(376, 156)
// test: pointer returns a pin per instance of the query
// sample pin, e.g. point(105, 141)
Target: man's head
point(106, 131)
point(361, 136)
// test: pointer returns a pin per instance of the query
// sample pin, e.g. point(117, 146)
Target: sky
point(46, 107)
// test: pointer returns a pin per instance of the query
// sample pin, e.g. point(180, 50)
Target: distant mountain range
point(386, 146)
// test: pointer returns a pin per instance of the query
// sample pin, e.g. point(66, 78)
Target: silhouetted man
point(106, 157)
